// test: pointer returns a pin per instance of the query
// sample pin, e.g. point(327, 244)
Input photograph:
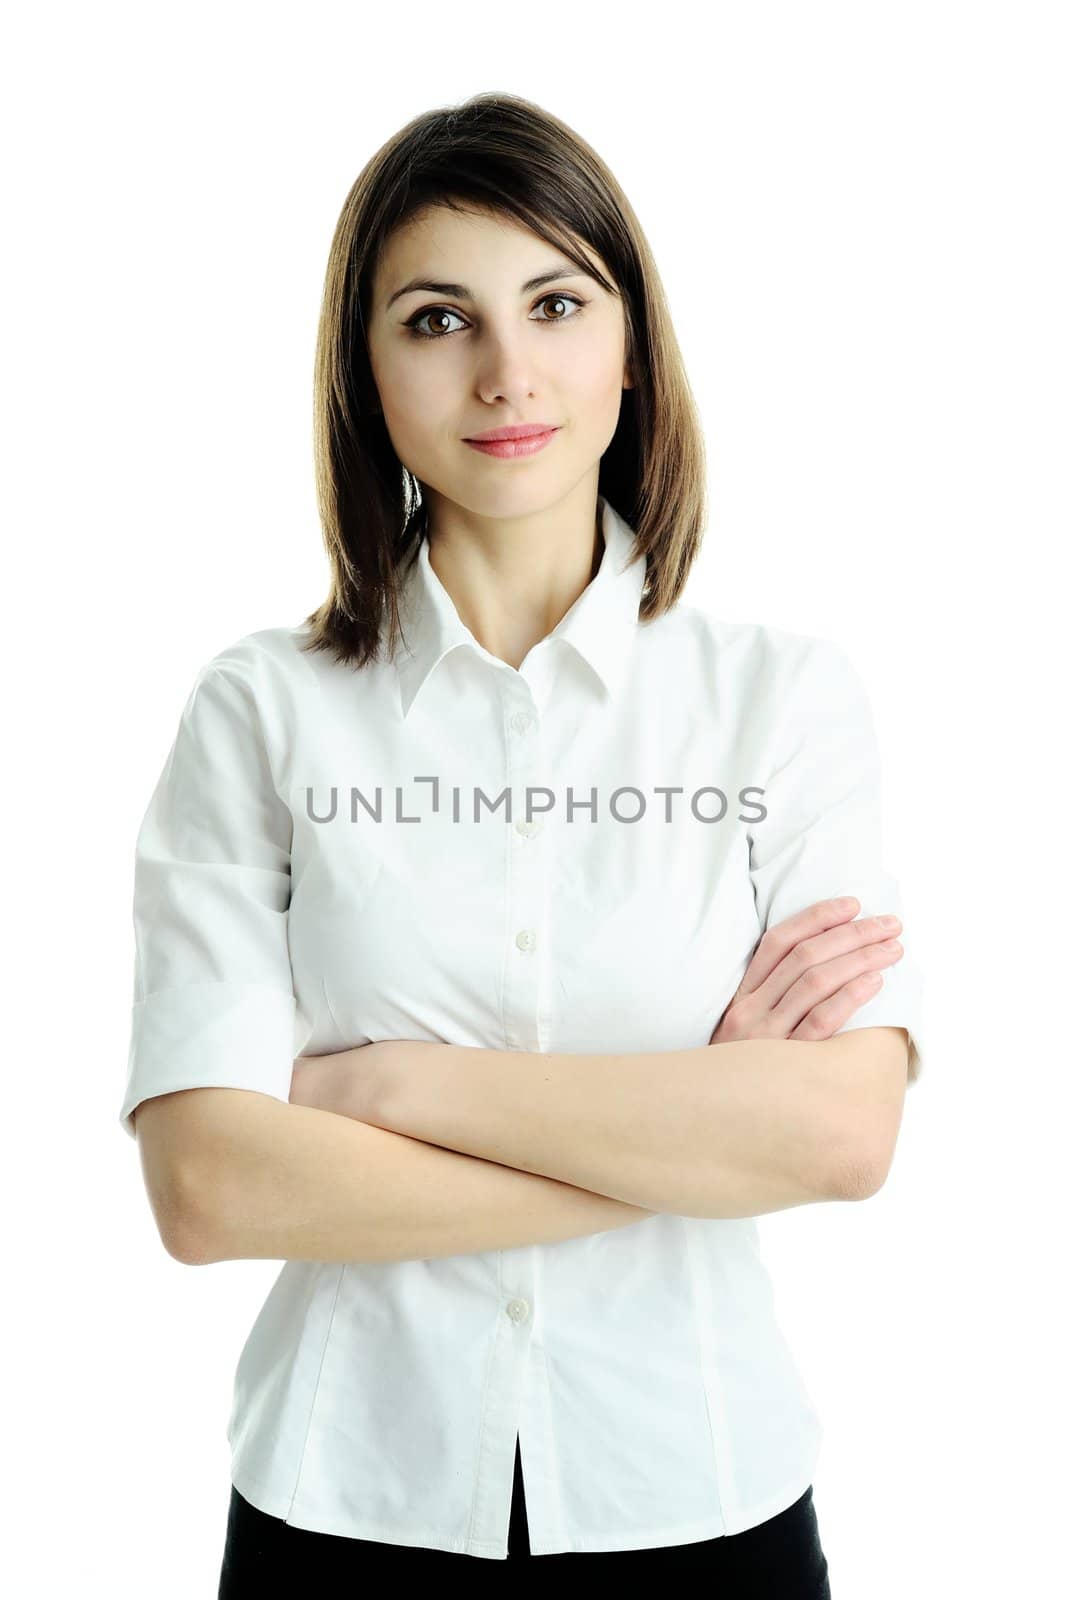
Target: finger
point(823, 1021)
point(781, 939)
point(849, 940)
point(735, 1026)
point(817, 984)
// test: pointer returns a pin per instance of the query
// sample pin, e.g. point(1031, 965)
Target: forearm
point(293, 1183)
point(726, 1130)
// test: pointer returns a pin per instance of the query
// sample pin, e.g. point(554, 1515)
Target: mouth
point(514, 442)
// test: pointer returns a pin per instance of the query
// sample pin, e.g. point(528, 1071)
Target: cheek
point(597, 375)
point(414, 401)
point(595, 396)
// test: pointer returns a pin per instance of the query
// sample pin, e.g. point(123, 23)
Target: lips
point(521, 430)
point(509, 449)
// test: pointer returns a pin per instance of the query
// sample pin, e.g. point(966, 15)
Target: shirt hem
point(264, 1498)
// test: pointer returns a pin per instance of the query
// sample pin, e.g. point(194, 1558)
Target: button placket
point(524, 975)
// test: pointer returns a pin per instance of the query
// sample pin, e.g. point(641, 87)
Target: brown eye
point(448, 315)
point(442, 315)
point(561, 300)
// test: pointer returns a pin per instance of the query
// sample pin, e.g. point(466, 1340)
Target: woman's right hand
point(810, 974)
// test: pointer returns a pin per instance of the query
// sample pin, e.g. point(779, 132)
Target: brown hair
point(501, 154)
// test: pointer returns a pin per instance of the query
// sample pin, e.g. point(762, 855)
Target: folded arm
point(722, 1130)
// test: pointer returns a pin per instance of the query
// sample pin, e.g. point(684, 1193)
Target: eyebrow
point(458, 291)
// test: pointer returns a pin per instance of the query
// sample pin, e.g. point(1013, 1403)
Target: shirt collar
point(599, 626)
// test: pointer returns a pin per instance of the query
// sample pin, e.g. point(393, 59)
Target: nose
point(504, 369)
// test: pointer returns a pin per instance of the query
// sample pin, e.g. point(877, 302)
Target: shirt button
point(518, 1310)
point(528, 829)
point(526, 939)
point(520, 721)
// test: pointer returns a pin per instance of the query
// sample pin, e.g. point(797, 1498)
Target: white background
point(857, 212)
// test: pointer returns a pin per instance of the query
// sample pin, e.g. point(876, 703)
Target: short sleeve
point(213, 1000)
point(822, 834)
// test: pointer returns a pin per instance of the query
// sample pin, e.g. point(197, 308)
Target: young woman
point(551, 884)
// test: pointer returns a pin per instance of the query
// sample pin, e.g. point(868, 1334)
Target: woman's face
point(494, 353)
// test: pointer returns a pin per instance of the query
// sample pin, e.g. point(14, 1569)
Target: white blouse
point(654, 1393)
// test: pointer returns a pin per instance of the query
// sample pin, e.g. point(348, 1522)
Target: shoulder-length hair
point(501, 154)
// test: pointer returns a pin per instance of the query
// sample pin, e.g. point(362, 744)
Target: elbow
point(858, 1178)
point(852, 1165)
point(182, 1234)
point(185, 1228)
point(861, 1167)
point(188, 1152)
point(188, 1245)
point(865, 1107)
point(194, 1237)
point(180, 1247)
